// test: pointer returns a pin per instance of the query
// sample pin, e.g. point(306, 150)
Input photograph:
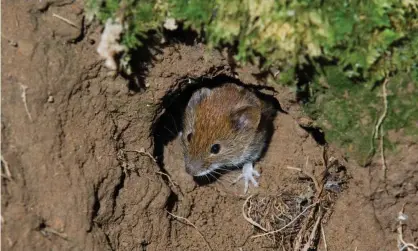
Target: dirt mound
point(80, 147)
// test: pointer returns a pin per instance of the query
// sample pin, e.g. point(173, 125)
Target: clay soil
point(95, 163)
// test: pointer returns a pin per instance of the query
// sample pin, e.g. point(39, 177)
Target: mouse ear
point(198, 96)
point(246, 118)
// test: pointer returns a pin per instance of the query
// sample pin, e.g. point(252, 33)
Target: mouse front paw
point(248, 174)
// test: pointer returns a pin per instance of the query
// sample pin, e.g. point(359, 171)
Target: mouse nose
point(193, 167)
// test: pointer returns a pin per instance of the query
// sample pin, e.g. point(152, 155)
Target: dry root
point(279, 216)
point(402, 244)
point(290, 223)
point(188, 222)
point(5, 172)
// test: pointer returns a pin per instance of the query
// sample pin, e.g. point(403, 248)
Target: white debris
point(402, 217)
point(109, 45)
point(170, 24)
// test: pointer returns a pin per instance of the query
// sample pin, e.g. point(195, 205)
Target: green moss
point(403, 105)
point(348, 112)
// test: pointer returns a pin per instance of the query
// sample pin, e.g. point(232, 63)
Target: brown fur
point(215, 119)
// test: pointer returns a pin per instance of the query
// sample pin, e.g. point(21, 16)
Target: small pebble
point(50, 99)
point(12, 43)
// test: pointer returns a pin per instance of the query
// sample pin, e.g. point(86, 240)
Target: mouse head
point(218, 128)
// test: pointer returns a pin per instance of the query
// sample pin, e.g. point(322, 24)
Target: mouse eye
point(215, 148)
point(189, 137)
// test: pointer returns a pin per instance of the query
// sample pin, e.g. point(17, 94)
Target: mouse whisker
point(236, 166)
point(219, 180)
point(213, 176)
point(217, 173)
point(224, 179)
point(226, 170)
point(207, 177)
point(174, 123)
point(172, 134)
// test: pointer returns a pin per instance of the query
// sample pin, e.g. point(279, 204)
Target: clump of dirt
point(85, 168)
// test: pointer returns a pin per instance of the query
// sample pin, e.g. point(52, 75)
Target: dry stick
point(299, 237)
point(307, 174)
point(65, 20)
point(401, 243)
point(311, 175)
point(379, 125)
point(191, 224)
point(295, 168)
point(319, 191)
point(323, 238)
point(312, 236)
point(288, 224)
point(251, 221)
point(24, 88)
point(7, 174)
point(53, 231)
point(325, 164)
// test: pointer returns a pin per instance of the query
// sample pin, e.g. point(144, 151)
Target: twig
point(300, 235)
point(312, 214)
point(23, 95)
point(311, 175)
point(403, 245)
point(312, 236)
point(190, 224)
point(288, 224)
point(295, 168)
point(65, 20)
point(251, 221)
point(307, 174)
point(46, 230)
point(325, 162)
point(7, 174)
point(323, 238)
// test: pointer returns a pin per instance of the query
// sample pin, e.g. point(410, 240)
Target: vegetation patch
point(336, 52)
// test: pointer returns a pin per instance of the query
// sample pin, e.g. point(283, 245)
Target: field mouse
point(224, 126)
